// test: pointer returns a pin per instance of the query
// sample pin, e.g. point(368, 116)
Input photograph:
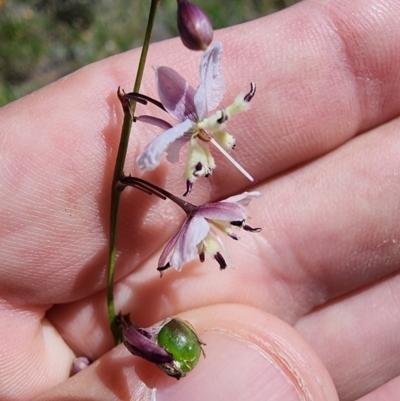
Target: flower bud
point(79, 364)
point(194, 27)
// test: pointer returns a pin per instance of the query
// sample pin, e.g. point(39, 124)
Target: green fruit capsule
point(180, 340)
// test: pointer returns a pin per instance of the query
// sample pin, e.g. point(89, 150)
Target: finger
point(387, 392)
point(364, 327)
point(333, 226)
point(256, 356)
point(33, 356)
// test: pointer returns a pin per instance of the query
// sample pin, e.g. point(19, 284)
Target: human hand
point(326, 262)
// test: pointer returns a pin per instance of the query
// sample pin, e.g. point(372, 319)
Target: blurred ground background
point(43, 40)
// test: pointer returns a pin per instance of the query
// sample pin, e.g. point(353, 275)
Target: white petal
point(231, 209)
point(174, 149)
point(211, 89)
point(228, 211)
point(151, 156)
point(244, 198)
point(162, 261)
point(186, 246)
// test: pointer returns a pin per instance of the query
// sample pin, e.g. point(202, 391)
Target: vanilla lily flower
point(198, 233)
point(191, 108)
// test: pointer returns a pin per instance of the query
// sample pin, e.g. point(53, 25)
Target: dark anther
point(202, 257)
point(189, 186)
point(251, 229)
point(252, 92)
point(233, 236)
point(220, 259)
point(237, 223)
point(162, 268)
point(198, 168)
point(223, 118)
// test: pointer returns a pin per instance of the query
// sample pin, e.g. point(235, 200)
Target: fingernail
point(233, 369)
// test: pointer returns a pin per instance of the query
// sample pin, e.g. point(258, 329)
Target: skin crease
point(322, 277)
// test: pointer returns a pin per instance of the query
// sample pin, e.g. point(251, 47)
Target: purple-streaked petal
point(244, 198)
point(174, 149)
point(176, 95)
point(195, 230)
point(227, 211)
point(211, 89)
point(162, 261)
point(151, 155)
point(158, 122)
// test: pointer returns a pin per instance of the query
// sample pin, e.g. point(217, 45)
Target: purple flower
point(190, 108)
point(197, 235)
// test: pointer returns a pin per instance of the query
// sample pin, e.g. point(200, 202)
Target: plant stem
point(152, 189)
point(118, 173)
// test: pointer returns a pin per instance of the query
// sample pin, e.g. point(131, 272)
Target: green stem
point(118, 173)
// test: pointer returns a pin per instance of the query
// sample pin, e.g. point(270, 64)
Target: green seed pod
point(180, 340)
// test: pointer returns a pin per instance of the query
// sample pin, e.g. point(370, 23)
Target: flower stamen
point(221, 261)
point(224, 117)
point(251, 229)
point(161, 269)
point(252, 92)
point(232, 160)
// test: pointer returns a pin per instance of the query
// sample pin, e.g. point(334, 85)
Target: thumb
point(250, 355)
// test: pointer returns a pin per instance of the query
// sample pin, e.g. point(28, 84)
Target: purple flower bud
point(79, 364)
point(194, 27)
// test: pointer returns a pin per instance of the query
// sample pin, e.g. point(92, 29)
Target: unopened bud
point(79, 364)
point(194, 27)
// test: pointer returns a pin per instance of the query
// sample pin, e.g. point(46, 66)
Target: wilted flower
point(173, 346)
point(197, 235)
point(194, 27)
point(191, 107)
